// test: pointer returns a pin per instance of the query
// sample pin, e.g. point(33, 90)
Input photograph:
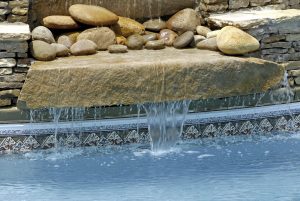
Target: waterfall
point(165, 123)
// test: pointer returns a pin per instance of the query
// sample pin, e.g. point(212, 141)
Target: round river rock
point(184, 40)
point(103, 37)
point(83, 47)
point(42, 51)
point(42, 33)
point(168, 36)
point(135, 42)
point(155, 45)
point(117, 49)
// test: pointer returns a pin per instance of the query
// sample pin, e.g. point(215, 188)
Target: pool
point(254, 167)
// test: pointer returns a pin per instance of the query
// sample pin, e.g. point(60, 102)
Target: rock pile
point(14, 10)
point(117, 34)
point(14, 61)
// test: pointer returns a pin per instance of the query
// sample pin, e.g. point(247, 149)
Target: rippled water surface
point(231, 168)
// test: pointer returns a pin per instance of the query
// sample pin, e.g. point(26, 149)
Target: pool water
point(260, 168)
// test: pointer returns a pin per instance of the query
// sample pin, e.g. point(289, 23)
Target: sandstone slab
point(138, 77)
point(254, 18)
point(15, 32)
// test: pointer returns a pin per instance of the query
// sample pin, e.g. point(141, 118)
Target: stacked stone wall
point(279, 42)
point(14, 11)
point(207, 7)
point(14, 62)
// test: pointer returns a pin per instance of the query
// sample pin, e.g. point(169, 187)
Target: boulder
point(83, 47)
point(60, 22)
point(155, 45)
point(117, 49)
point(234, 41)
point(61, 50)
point(42, 33)
point(208, 44)
point(127, 27)
point(168, 36)
point(184, 40)
point(93, 15)
point(42, 51)
point(155, 25)
point(102, 37)
point(184, 20)
point(135, 42)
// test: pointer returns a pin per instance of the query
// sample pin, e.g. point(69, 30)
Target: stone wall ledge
point(145, 76)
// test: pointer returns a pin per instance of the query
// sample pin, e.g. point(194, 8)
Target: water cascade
point(165, 123)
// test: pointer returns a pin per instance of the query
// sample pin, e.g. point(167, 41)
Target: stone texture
point(254, 18)
point(150, 37)
point(102, 37)
point(202, 30)
point(93, 15)
point(60, 22)
point(155, 45)
point(65, 40)
point(127, 8)
point(61, 50)
point(10, 93)
point(127, 27)
point(168, 36)
point(155, 25)
point(42, 33)
point(208, 44)
point(234, 41)
point(185, 20)
point(83, 47)
point(5, 102)
point(135, 42)
point(7, 63)
point(184, 40)
point(117, 49)
point(108, 79)
point(10, 46)
point(197, 39)
point(213, 34)
point(43, 51)
point(15, 32)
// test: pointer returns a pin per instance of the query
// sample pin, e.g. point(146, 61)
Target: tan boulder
point(93, 15)
point(127, 27)
point(184, 20)
point(103, 37)
point(234, 41)
point(60, 22)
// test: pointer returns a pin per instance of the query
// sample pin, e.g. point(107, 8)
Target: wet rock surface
point(183, 40)
point(109, 79)
point(135, 42)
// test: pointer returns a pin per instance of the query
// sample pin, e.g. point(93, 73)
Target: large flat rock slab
point(254, 18)
point(137, 9)
point(14, 32)
point(142, 76)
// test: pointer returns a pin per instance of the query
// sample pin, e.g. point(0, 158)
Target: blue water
point(260, 168)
